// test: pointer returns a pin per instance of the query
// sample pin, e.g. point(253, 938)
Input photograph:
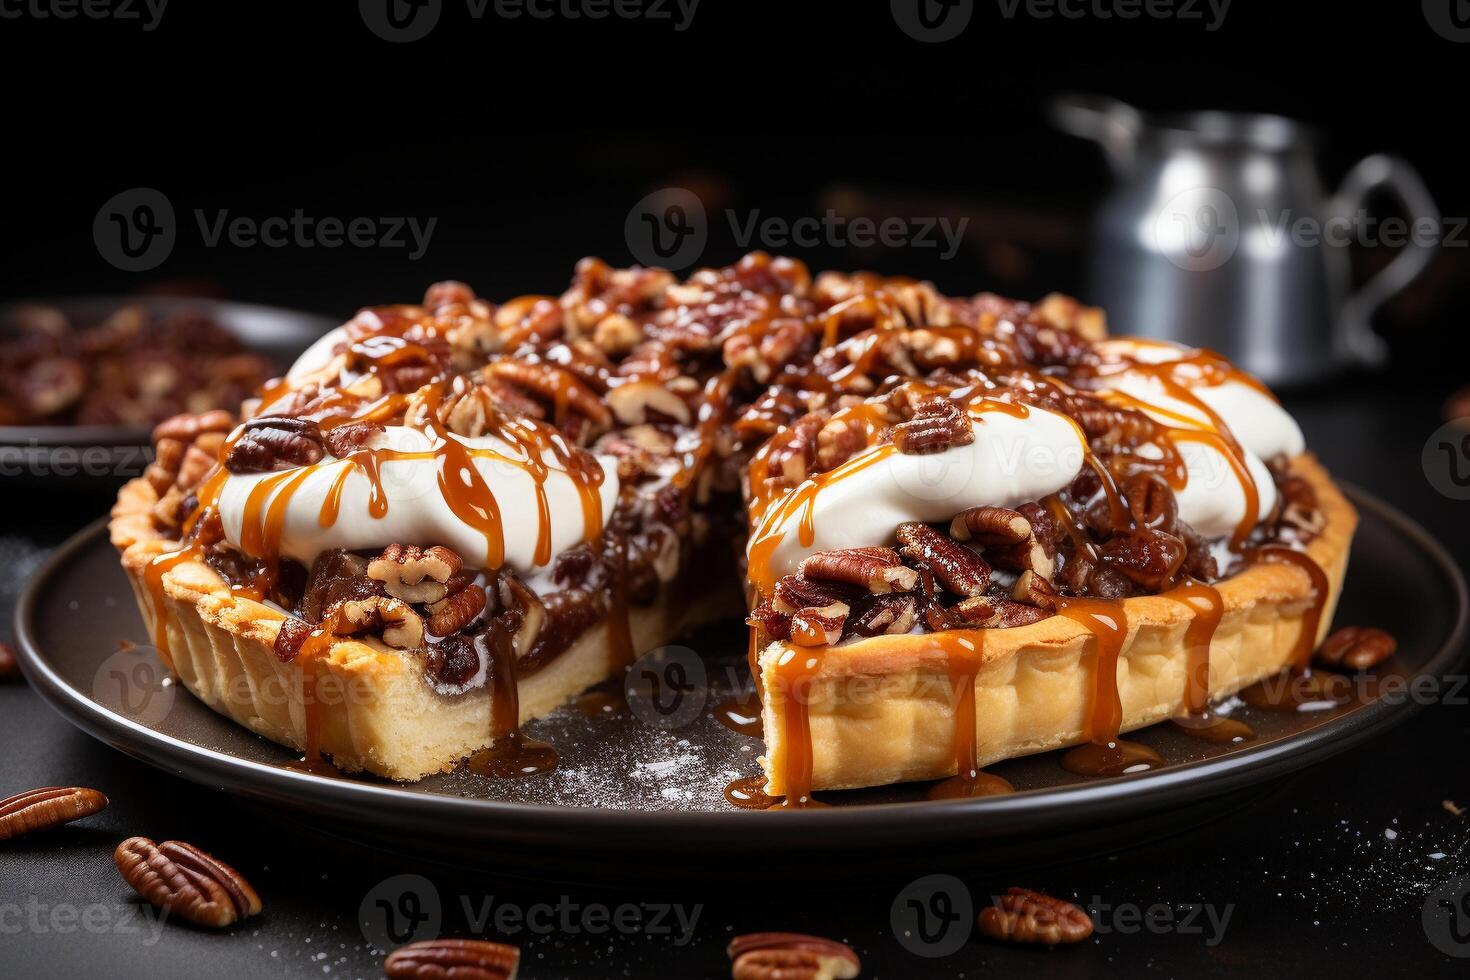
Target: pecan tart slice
point(970, 528)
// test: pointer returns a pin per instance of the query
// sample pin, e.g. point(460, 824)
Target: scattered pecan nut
point(471, 959)
point(414, 574)
point(1025, 916)
point(791, 956)
point(275, 442)
point(182, 879)
point(1357, 648)
point(957, 568)
point(9, 666)
point(50, 806)
point(879, 570)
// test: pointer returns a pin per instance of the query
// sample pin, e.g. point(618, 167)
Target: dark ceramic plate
point(70, 451)
point(634, 799)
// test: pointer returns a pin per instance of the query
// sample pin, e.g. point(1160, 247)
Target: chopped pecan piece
point(1149, 558)
point(795, 592)
point(556, 385)
point(344, 440)
point(400, 626)
point(937, 425)
point(632, 402)
point(775, 625)
point(275, 442)
point(1033, 590)
point(1025, 916)
point(876, 615)
point(957, 568)
point(819, 625)
point(413, 574)
point(878, 570)
point(1357, 648)
point(456, 611)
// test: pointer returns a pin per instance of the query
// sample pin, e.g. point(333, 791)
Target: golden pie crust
point(881, 710)
point(374, 711)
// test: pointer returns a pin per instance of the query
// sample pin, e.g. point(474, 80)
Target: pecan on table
point(50, 806)
point(791, 956)
point(184, 880)
point(1357, 648)
point(1025, 916)
point(9, 666)
point(470, 959)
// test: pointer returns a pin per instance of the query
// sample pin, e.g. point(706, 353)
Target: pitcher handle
point(1355, 337)
point(1112, 124)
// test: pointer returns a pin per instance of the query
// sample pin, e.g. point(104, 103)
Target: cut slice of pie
point(969, 528)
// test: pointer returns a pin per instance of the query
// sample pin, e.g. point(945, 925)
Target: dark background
point(530, 141)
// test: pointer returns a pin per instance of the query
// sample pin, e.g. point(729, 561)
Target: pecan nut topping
point(560, 387)
point(275, 442)
point(791, 956)
point(894, 613)
point(819, 625)
point(184, 880)
point(957, 568)
point(187, 428)
point(400, 626)
point(878, 570)
point(1357, 648)
point(472, 959)
point(454, 612)
point(50, 806)
point(937, 425)
point(1007, 537)
point(1025, 916)
point(414, 574)
point(632, 402)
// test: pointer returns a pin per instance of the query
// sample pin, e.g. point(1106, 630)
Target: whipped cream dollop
point(417, 512)
point(1011, 461)
point(1016, 460)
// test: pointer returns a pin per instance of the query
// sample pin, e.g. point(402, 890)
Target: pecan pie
point(969, 528)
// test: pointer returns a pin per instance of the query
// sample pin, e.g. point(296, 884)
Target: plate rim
point(1042, 807)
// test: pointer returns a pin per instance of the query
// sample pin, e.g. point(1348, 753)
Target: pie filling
point(477, 486)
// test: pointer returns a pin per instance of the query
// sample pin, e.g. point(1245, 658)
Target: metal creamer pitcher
point(1219, 234)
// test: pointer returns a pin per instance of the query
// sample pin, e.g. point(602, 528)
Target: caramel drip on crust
point(1208, 608)
point(795, 672)
point(963, 654)
point(511, 754)
point(153, 573)
point(1104, 754)
point(1301, 688)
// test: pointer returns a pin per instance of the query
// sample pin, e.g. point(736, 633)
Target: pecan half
point(470, 959)
point(1025, 916)
point(1007, 537)
point(795, 592)
point(1151, 502)
point(878, 570)
point(413, 574)
point(50, 806)
point(791, 956)
point(275, 442)
point(184, 880)
point(1357, 648)
point(1033, 590)
point(558, 386)
point(957, 568)
point(9, 666)
point(632, 401)
point(937, 425)
point(187, 428)
point(817, 626)
point(400, 626)
point(454, 612)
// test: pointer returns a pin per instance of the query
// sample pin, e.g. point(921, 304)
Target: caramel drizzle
point(796, 671)
point(1306, 641)
point(1208, 608)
